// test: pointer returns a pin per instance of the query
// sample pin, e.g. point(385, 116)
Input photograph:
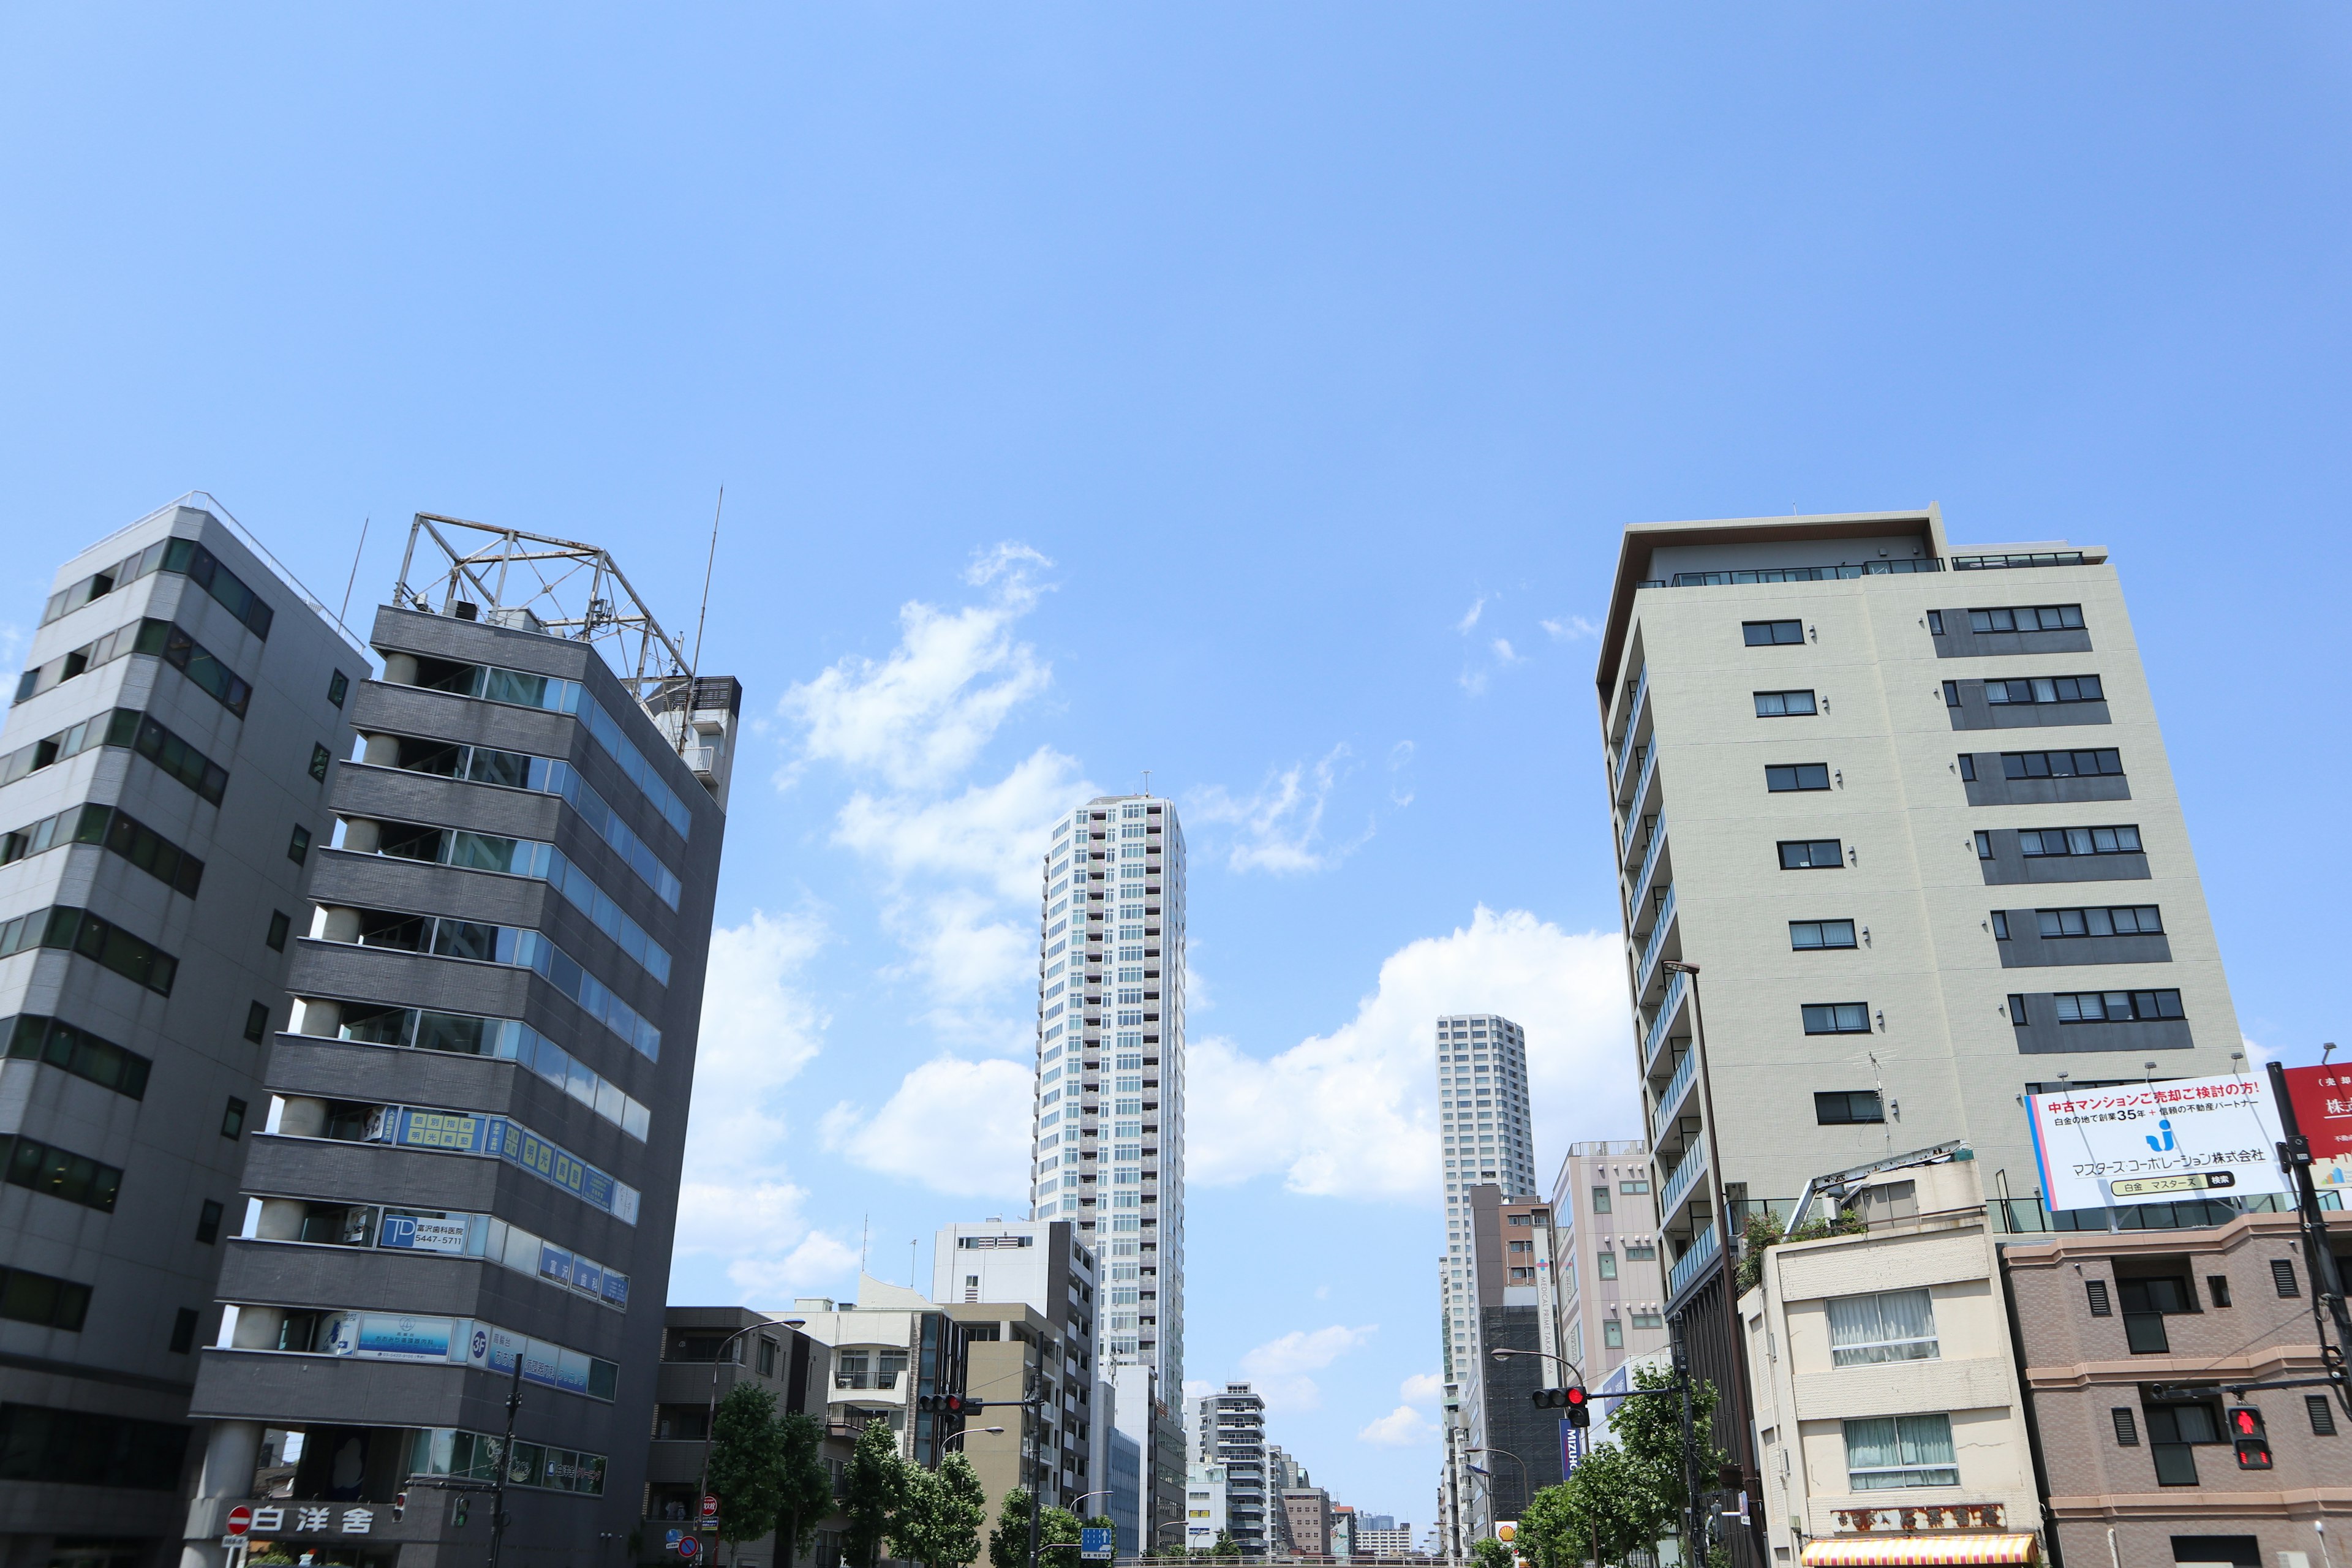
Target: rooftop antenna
point(1147, 781)
point(864, 1234)
point(911, 1245)
point(694, 665)
point(355, 572)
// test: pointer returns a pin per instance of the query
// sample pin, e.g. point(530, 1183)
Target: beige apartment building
point(1886, 1395)
point(1906, 806)
point(1609, 1282)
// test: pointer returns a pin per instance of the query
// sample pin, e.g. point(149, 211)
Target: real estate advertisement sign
point(2157, 1142)
point(2323, 1113)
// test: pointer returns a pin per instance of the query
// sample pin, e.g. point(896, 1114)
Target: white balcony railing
point(1677, 1086)
point(1633, 722)
point(1702, 1249)
point(1634, 806)
point(1657, 1038)
point(1655, 945)
point(1694, 1163)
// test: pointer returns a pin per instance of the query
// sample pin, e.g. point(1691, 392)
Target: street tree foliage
point(1057, 1535)
point(806, 1484)
point(939, 1514)
point(1226, 1545)
point(1627, 1494)
point(876, 1492)
point(747, 1464)
point(1489, 1552)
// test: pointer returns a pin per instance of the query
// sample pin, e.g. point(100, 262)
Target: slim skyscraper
point(163, 781)
point(1108, 1134)
point(464, 1182)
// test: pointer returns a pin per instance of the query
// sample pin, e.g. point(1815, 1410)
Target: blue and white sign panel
point(1574, 1443)
point(1095, 1544)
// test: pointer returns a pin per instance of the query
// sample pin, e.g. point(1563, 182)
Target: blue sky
point(1250, 395)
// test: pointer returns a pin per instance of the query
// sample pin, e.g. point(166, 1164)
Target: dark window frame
point(1796, 778)
point(1772, 633)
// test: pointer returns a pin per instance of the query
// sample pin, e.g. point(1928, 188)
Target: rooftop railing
point(2022, 558)
point(1890, 568)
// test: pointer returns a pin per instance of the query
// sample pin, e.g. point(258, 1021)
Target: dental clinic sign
point(2157, 1142)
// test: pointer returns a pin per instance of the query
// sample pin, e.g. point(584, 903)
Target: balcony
point(1649, 863)
point(1676, 1088)
point(1693, 1263)
point(2021, 558)
point(1633, 728)
point(1655, 947)
point(1656, 1039)
point(1694, 1165)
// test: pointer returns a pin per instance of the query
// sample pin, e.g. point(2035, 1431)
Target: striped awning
point(1857, 1551)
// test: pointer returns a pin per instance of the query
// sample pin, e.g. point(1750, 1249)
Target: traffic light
point(399, 1504)
point(2247, 1436)
point(948, 1405)
point(1572, 1399)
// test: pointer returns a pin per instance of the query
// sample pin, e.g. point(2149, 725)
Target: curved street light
point(961, 1433)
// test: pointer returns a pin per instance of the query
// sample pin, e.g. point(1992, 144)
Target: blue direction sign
point(1094, 1542)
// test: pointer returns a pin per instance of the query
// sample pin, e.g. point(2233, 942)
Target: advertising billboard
point(2157, 1142)
point(2323, 1113)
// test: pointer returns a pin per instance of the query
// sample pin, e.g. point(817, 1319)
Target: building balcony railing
point(1649, 862)
point(1634, 805)
point(1694, 1261)
point(1845, 569)
point(1677, 1086)
point(1655, 1040)
point(2021, 558)
point(1655, 945)
point(1694, 1165)
point(1633, 728)
point(2031, 1217)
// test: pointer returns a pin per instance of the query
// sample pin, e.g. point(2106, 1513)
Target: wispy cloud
point(1470, 616)
point(1422, 1388)
point(1279, 1367)
point(1503, 654)
point(1280, 827)
point(921, 714)
point(1569, 628)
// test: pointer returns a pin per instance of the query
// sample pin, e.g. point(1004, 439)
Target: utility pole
point(506, 1460)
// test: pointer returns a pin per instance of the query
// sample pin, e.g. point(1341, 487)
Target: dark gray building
point(478, 1113)
point(162, 782)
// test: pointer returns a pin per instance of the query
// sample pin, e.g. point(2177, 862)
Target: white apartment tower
point(1482, 1112)
point(1108, 1134)
point(1906, 806)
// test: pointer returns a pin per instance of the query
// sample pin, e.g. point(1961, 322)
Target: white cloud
point(1569, 628)
point(1278, 1368)
point(990, 833)
point(736, 1199)
point(1403, 1427)
point(955, 1126)
point(1422, 1388)
point(921, 715)
point(1470, 616)
point(1198, 1388)
point(1474, 681)
point(2258, 1055)
point(1373, 1079)
point(1280, 828)
point(1503, 654)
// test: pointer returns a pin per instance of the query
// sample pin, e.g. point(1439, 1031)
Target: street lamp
point(710, 1415)
point(1526, 1494)
point(1501, 1356)
point(961, 1433)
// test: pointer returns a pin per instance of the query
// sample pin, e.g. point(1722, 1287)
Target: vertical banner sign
point(2323, 1110)
point(2157, 1142)
point(1571, 1446)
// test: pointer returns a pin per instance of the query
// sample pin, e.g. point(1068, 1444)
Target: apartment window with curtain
point(1900, 1451)
point(1890, 1325)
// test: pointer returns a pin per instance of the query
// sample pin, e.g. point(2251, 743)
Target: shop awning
point(1857, 1551)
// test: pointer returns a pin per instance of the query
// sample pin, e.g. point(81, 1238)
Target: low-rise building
point(1608, 1284)
point(1384, 1540)
point(1881, 1374)
point(2137, 1345)
point(705, 1352)
point(1204, 1505)
point(1308, 1510)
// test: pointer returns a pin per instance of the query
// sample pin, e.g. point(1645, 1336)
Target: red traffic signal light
point(1572, 1399)
point(2248, 1439)
point(947, 1404)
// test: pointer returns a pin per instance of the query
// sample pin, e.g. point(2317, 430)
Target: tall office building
point(1608, 1281)
point(1109, 1137)
point(1906, 806)
point(162, 779)
point(465, 1184)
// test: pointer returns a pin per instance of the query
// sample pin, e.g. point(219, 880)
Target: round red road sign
point(240, 1520)
point(710, 1506)
point(688, 1546)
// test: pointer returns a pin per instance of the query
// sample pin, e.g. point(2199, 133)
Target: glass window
point(1900, 1451)
point(1841, 1107)
point(1601, 1200)
point(1968, 766)
point(1767, 634)
point(298, 847)
point(2116, 1006)
point(1786, 777)
point(232, 1118)
point(320, 758)
point(280, 924)
point(1605, 1261)
point(1837, 1018)
point(1891, 1325)
point(1612, 1333)
point(1783, 704)
point(1811, 854)
point(1805, 934)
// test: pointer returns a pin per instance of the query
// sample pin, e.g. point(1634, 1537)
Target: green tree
point(1603, 1508)
point(876, 1490)
point(1762, 1233)
point(807, 1484)
point(1650, 1431)
point(1057, 1535)
point(747, 1464)
point(1226, 1545)
point(937, 1522)
point(1489, 1552)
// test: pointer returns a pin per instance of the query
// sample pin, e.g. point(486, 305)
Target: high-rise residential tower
point(163, 779)
point(1905, 805)
point(465, 1185)
point(1108, 1136)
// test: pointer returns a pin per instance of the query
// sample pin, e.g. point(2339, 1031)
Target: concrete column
point(361, 833)
point(384, 750)
point(339, 925)
point(258, 1328)
point(400, 668)
point(316, 1018)
point(280, 1220)
point(301, 1116)
point(230, 1452)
